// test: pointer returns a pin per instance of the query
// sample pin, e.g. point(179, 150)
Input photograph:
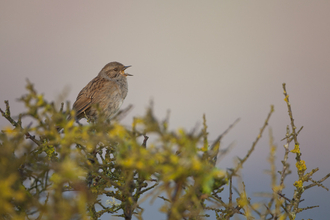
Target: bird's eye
point(116, 69)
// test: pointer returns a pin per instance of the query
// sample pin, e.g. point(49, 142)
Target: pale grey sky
point(227, 59)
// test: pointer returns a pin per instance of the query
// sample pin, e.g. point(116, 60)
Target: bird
point(105, 92)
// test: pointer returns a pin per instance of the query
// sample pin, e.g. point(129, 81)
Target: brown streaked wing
point(85, 97)
point(94, 92)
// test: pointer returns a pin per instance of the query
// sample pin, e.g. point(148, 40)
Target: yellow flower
point(301, 166)
point(296, 149)
point(196, 164)
point(298, 184)
point(10, 131)
point(118, 131)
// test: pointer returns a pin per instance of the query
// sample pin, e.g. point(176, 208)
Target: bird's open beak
point(126, 74)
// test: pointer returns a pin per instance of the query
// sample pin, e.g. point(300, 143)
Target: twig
point(7, 116)
point(318, 183)
point(241, 161)
point(144, 144)
point(224, 133)
point(293, 127)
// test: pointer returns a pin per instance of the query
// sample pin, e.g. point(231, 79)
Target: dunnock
point(107, 91)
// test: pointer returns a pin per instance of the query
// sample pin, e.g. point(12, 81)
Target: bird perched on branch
point(106, 91)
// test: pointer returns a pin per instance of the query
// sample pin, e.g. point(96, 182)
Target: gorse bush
point(55, 168)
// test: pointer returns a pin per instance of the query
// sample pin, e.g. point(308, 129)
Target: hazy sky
point(227, 59)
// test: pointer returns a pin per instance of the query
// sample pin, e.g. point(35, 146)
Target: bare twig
point(293, 127)
point(241, 161)
point(318, 183)
point(18, 124)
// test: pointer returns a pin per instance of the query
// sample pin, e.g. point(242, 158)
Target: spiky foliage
point(54, 168)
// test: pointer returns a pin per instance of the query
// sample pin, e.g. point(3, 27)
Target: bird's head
point(114, 70)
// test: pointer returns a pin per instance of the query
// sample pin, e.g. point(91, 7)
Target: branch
point(241, 161)
point(17, 124)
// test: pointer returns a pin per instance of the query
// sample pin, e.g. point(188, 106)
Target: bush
point(52, 173)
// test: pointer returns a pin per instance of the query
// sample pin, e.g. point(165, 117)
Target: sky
point(225, 59)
